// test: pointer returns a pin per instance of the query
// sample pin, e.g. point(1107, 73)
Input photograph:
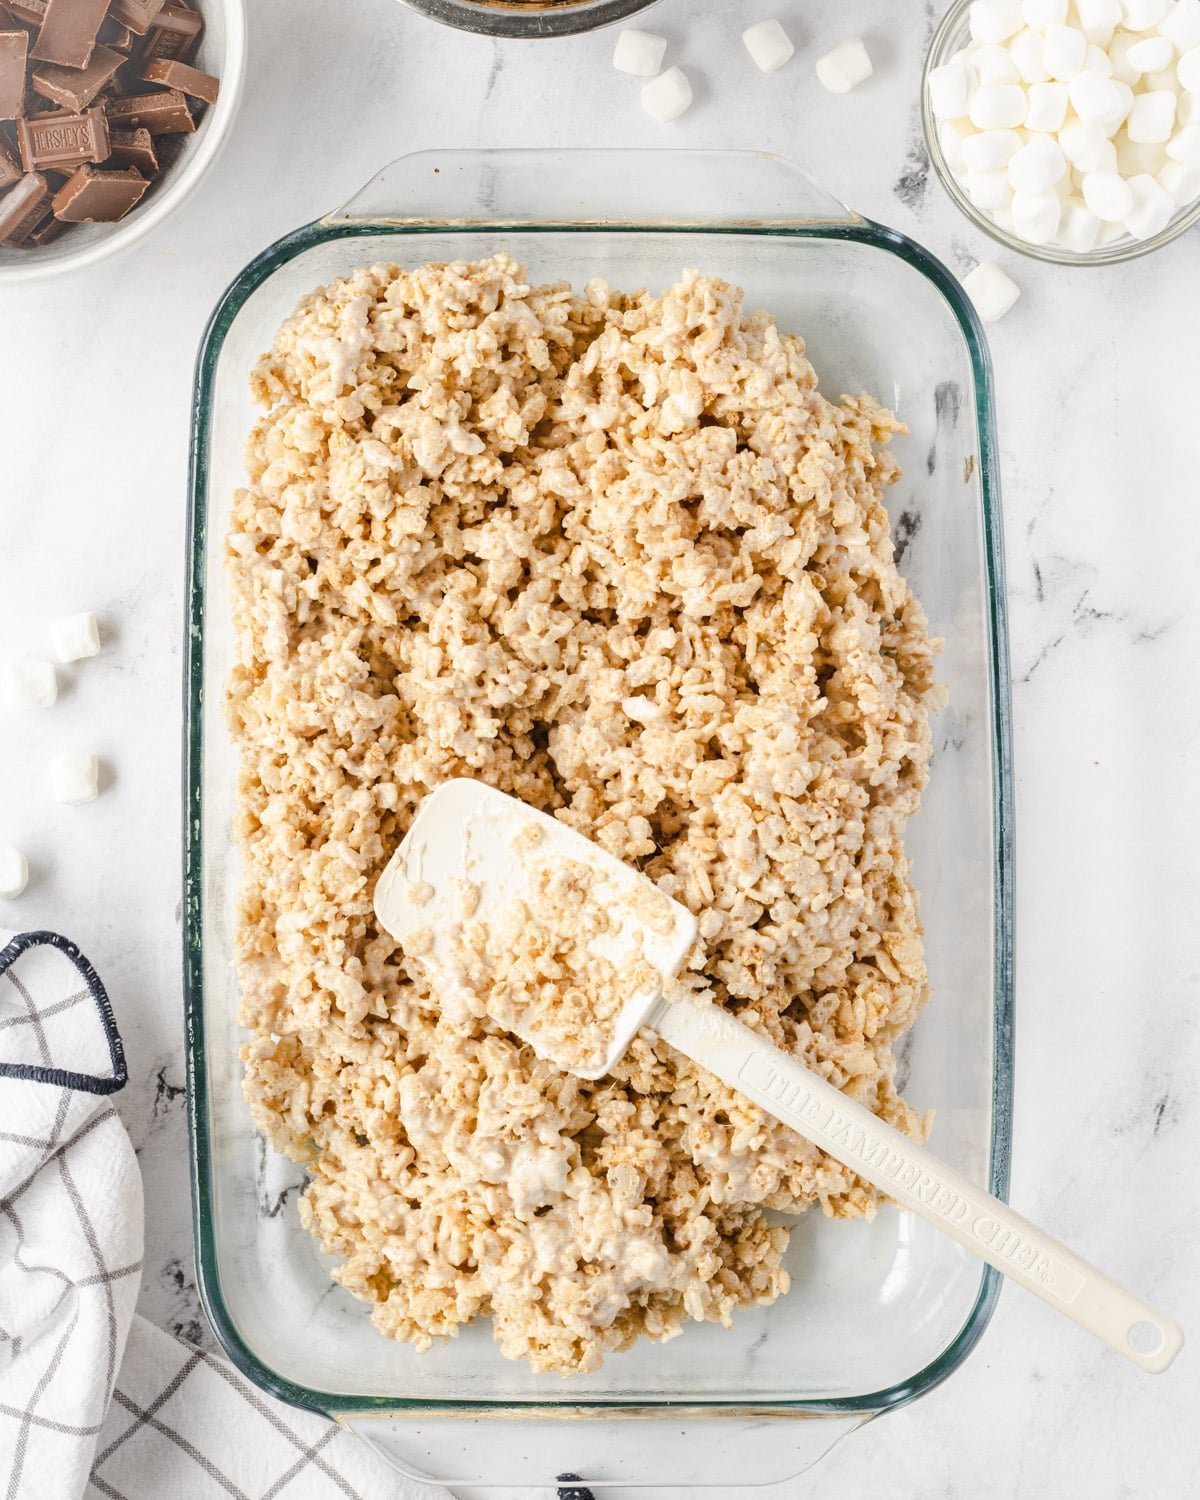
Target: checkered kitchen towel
point(93, 1400)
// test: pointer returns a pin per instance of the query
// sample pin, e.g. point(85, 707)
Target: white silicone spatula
point(466, 831)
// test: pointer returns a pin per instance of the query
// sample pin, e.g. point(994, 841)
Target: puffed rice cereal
point(614, 554)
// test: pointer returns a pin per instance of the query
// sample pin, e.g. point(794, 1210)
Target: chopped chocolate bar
point(90, 196)
point(14, 51)
point(173, 33)
point(97, 98)
point(114, 34)
point(75, 88)
point(173, 74)
point(32, 12)
point(22, 207)
point(68, 32)
point(62, 139)
point(138, 15)
point(10, 165)
point(133, 148)
point(164, 113)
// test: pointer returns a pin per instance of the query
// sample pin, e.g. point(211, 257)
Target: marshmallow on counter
point(14, 872)
point(768, 44)
point(30, 683)
point(75, 637)
point(667, 96)
point(639, 52)
point(991, 290)
point(75, 777)
point(846, 66)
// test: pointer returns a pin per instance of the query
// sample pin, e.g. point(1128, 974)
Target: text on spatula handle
point(919, 1175)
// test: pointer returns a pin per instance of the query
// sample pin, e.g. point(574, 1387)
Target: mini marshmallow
point(75, 636)
point(1133, 157)
point(1037, 167)
point(1107, 195)
point(1042, 13)
point(950, 91)
point(1102, 102)
point(75, 777)
point(1187, 110)
point(846, 66)
point(991, 290)
point(1187, 70)
point(1087, 148)
point(1036, 215)
point(1118, 57)
point(639, 52)
point(1184, 146)
point(1152, 118)
point(1029, 55)
point(1181, 181)
point(1142, 15)
point(1079, 228)
point(30, 683)
point(1047, 107)
point(1098, 19)
point(1152, 207)
point(1181, 25)
point(999, 106)
point(667, 96)
point(990, 191)
point(1150, 53)
point(1096, 61)
point(994, 65)
point(14, 872)
point(1109, 233)
point(990, 150)
point(994, 20)
point(768, 44)
point(952, 137)
point(1064, 50)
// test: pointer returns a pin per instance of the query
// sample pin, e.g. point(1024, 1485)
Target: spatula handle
point(916, 1179)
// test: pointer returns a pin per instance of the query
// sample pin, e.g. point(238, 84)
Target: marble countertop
point(1098, 385)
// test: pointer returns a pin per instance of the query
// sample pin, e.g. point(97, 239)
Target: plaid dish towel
point(93, 1400)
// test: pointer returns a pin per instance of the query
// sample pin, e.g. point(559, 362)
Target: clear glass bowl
point(953, 33)
point(878, 1313)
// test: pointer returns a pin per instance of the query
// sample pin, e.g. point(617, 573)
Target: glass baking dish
point(878, 1313)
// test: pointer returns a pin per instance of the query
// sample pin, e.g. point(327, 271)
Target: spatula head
point(514, 915)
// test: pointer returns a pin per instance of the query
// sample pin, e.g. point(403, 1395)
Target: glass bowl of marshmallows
point(1069, 129)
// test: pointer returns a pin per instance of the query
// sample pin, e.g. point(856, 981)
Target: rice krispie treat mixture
point(616, 555)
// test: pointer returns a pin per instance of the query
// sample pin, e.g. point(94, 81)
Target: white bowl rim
point(182, 183)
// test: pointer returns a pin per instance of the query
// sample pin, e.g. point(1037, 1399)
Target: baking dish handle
point(659, 189)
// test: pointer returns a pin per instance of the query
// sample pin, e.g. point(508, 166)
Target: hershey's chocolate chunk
point(90, 196)
point(21, 209)
point(48, 229)
point(164, 113)
point(10, 166)
point(68, 32)
point(62, 139)
point(14, 51)
point(133, 148)
point(138, 15)
point(114, 34)
point(173, 74)
point(32, 12)
point(173, 33)
point(75, 88)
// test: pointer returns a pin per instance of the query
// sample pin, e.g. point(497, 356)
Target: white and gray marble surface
point(1098, 378)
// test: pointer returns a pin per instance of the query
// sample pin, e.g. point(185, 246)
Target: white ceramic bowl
point(222, 51)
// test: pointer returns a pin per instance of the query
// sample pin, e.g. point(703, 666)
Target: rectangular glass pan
point(878, 1312)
